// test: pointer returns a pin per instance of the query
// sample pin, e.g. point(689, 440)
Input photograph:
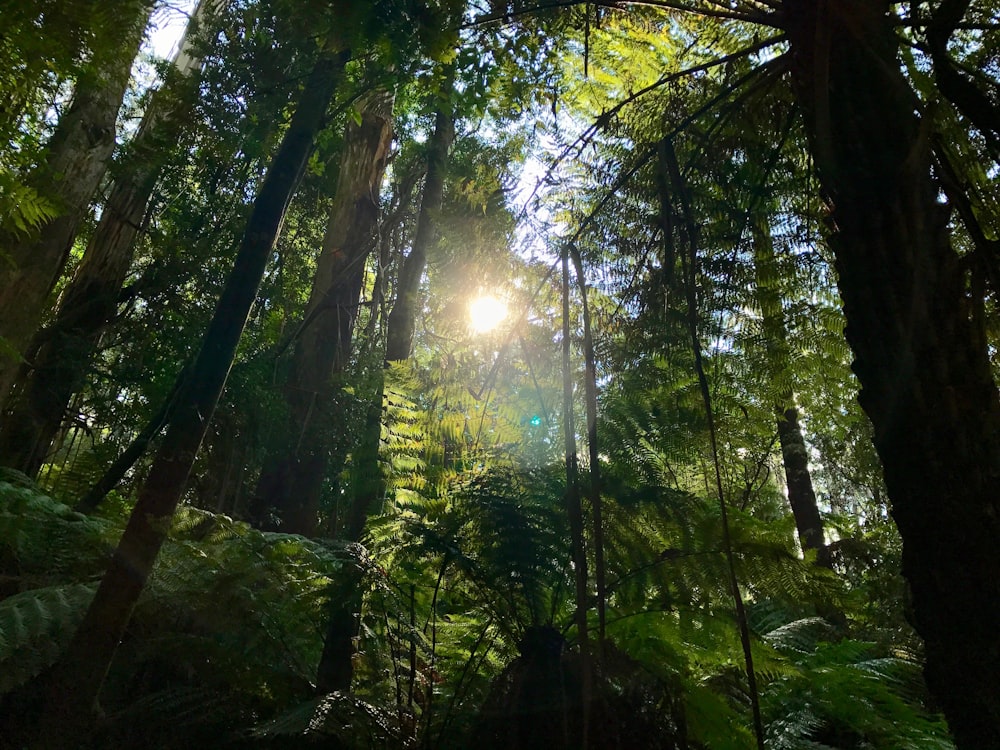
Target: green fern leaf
point(35, 628)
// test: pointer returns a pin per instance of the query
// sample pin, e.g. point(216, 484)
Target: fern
point(358, 724)
point(43, 542)
point(22, 209)
point(841, 690)
point(35, 629)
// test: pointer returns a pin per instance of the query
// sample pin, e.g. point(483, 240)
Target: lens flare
point(486, 313)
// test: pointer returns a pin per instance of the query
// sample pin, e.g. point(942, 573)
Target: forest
point(499, 374)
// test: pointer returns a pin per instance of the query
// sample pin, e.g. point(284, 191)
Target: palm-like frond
point(44, 542)
point(842, 692)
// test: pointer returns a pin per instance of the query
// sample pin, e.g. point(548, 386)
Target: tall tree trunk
point(593, 449)
point(292, 484)
point(75, 162)
point(61, 352)
point(402, 319)
point(574, 512)
point(926, 380)
point(795, 457)
point(335, 668)
point(77, 680)
point(336, 664)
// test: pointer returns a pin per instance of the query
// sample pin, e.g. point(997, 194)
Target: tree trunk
point(62, 351)
point(291, 486)
point(402, 319)
point(795, 457)
point(336, 664)
point(77, 680)
point(574, 512)
point(926, 380)
point(335, 667)
point(593, 449)
point(74, 164)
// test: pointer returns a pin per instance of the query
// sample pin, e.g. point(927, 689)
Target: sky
point(169, 20)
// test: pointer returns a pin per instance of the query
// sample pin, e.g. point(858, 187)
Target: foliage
point(563, 119)
point(232, 642)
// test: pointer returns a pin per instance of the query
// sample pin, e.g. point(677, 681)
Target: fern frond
point(355, 722)
point(35, 629)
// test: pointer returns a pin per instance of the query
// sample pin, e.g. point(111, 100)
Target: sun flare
point(486, 313)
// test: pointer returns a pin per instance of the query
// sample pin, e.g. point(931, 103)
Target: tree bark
point(62, 351)
point(335, 668)
point(77, 680)
point(795, 457)
point(923, 367)
point(74, 164)
point(291, 486)
point(402, 319)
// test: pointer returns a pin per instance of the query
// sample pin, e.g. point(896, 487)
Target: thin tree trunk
point(292, 484)
point(795, 457)
point(925, 375)
point(593, 451)
point(77, 680)
point(114, 474)
point(574, 511)
point(75, 162)
point(671, 177)
point(62, 351)
point(402, 319)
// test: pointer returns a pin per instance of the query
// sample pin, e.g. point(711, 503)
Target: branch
point(604, 119)
point(766, 19)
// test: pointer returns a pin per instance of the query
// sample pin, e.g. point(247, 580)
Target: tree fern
point(843, 693)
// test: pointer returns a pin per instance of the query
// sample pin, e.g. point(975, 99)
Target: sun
point(486, 313)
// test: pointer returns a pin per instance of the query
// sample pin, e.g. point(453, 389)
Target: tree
point(926, 380)
point(292, 485)
point(794, 453)
point(60, 353)
point(682, 148)
point(75, 160)
point(921, 360)
point(402, 318)
point(79, 677)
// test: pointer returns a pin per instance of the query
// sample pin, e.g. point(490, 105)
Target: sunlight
point(486, 313)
